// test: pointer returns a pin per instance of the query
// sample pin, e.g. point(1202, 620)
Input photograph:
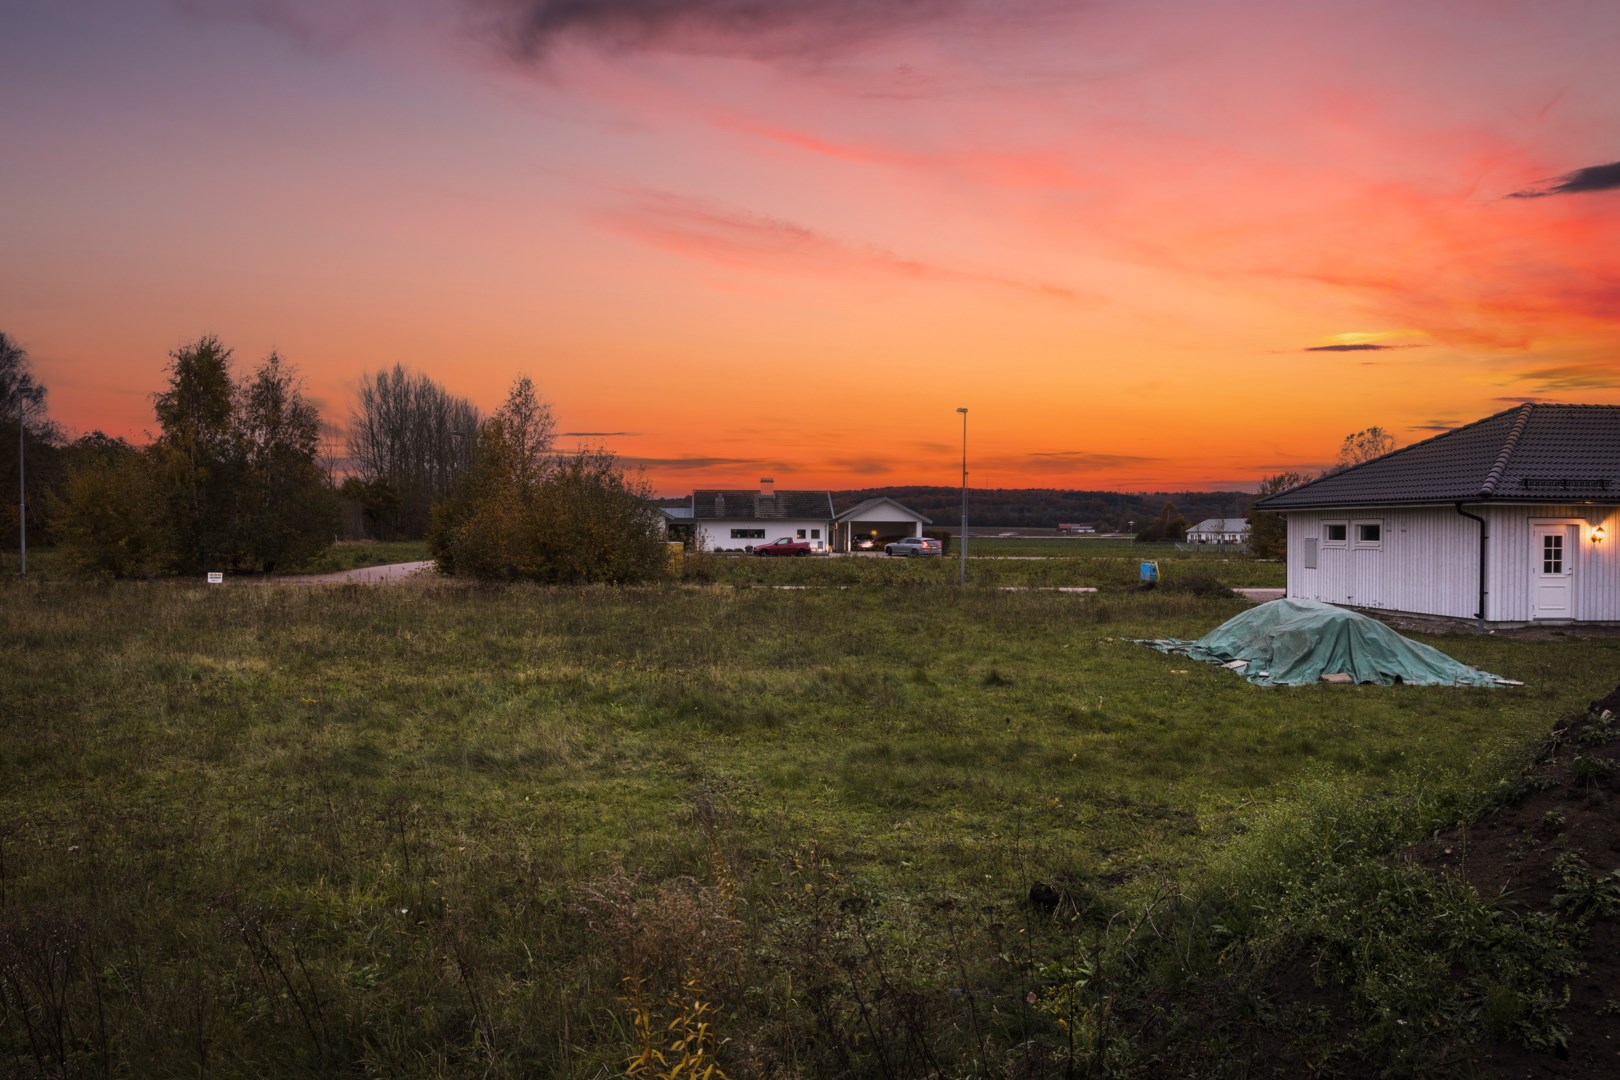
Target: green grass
point(428, 829)
point(1102, 564)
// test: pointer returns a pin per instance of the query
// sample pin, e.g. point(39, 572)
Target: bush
point(525, 514)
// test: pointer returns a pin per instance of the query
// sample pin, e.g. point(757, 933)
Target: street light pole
point(961, 577)
point(22, 484)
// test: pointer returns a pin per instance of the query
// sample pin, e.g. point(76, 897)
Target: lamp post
point(26, 396)
point(961, 577)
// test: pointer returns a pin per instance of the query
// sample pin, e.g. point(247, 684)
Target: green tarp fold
point(1296, 642)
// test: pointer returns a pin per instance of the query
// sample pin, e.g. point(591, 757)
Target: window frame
point(748, 534)
point(1357, 526)
point(1329, 541)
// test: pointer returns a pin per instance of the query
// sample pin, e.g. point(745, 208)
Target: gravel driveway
point(366, 574)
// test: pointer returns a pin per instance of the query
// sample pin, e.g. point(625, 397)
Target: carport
point(881, 520)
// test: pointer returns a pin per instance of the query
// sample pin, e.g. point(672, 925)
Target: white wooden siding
point(1428, 561)
point(717, 534)
point(1511, 561)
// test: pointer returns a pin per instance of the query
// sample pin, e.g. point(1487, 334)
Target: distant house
point(741, 520)
point(1509, 520)
point(1219, 531)
point(1076, 528)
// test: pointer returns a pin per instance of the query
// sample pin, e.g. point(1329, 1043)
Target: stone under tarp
point(1297, 642)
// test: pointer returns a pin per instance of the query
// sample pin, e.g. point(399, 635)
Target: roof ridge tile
point(1494, 477)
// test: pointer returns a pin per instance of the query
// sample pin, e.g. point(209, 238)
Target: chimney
point(767, 487)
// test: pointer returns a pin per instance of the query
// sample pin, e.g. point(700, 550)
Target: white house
point(1219, 531)
point(1509, 520)
point(743, 520)
point(740, 520)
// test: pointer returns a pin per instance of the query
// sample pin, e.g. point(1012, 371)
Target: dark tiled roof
point(1531, 453)
point(753, 506)
point(870, 504)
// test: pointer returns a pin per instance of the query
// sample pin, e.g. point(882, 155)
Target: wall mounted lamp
point(1597, 535)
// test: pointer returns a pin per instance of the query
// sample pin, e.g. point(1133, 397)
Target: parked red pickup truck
point(785, 546)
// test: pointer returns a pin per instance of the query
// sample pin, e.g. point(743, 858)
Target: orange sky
point(1151, 245)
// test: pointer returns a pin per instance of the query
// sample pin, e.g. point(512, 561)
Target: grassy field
point(445, 830)
point(1106, 564)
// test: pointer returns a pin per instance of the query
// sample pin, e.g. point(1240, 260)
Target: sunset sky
point(1156, 244)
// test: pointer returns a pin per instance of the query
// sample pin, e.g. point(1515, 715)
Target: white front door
point(1552, 553)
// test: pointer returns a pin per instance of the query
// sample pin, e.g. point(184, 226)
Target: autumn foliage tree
point(525, 513)
point(1361, 446)
point(232, 482)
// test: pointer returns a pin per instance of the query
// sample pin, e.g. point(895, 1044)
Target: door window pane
point(1552, 554)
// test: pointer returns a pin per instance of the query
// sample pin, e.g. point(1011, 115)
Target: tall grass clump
point(1313, 939)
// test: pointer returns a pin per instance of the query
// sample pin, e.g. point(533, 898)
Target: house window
point(1552, 554)
point(815, 534)
point(1335, 532)
point(1369, 533)
point(748, 534)
point(800, 535)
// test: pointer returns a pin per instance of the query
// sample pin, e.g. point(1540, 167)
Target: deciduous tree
point(523, 513)
point(287, 513)
point(232, 482)
point(411, 441)
point(106, 514)
point(1268, 532)
point(1362, 446)
point(197, 459)
point(1168, 525)
point(22, 403)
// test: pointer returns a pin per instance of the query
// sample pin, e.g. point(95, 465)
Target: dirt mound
point(1552, 846)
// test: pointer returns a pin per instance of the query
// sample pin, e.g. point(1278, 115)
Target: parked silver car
point(915, 546)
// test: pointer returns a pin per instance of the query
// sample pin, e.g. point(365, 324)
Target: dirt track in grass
point(1571, 804)
point(1567, 803)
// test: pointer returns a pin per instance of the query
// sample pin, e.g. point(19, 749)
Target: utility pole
point(22, 482)
point(961, 577)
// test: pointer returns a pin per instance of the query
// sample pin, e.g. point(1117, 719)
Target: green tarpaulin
point(1295, 642)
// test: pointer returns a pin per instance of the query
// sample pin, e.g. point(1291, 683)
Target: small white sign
point(216, 577)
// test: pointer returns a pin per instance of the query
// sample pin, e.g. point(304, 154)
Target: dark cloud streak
point(680, 464)
point(762, 29)
point(1368, 347)
point(1581, 181)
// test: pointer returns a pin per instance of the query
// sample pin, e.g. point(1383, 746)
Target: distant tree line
point(1155, 516)
point(234, 480)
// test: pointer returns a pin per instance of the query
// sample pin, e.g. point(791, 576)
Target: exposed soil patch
point(1436, 624)
point(1568, 805)
point(1548, 849)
